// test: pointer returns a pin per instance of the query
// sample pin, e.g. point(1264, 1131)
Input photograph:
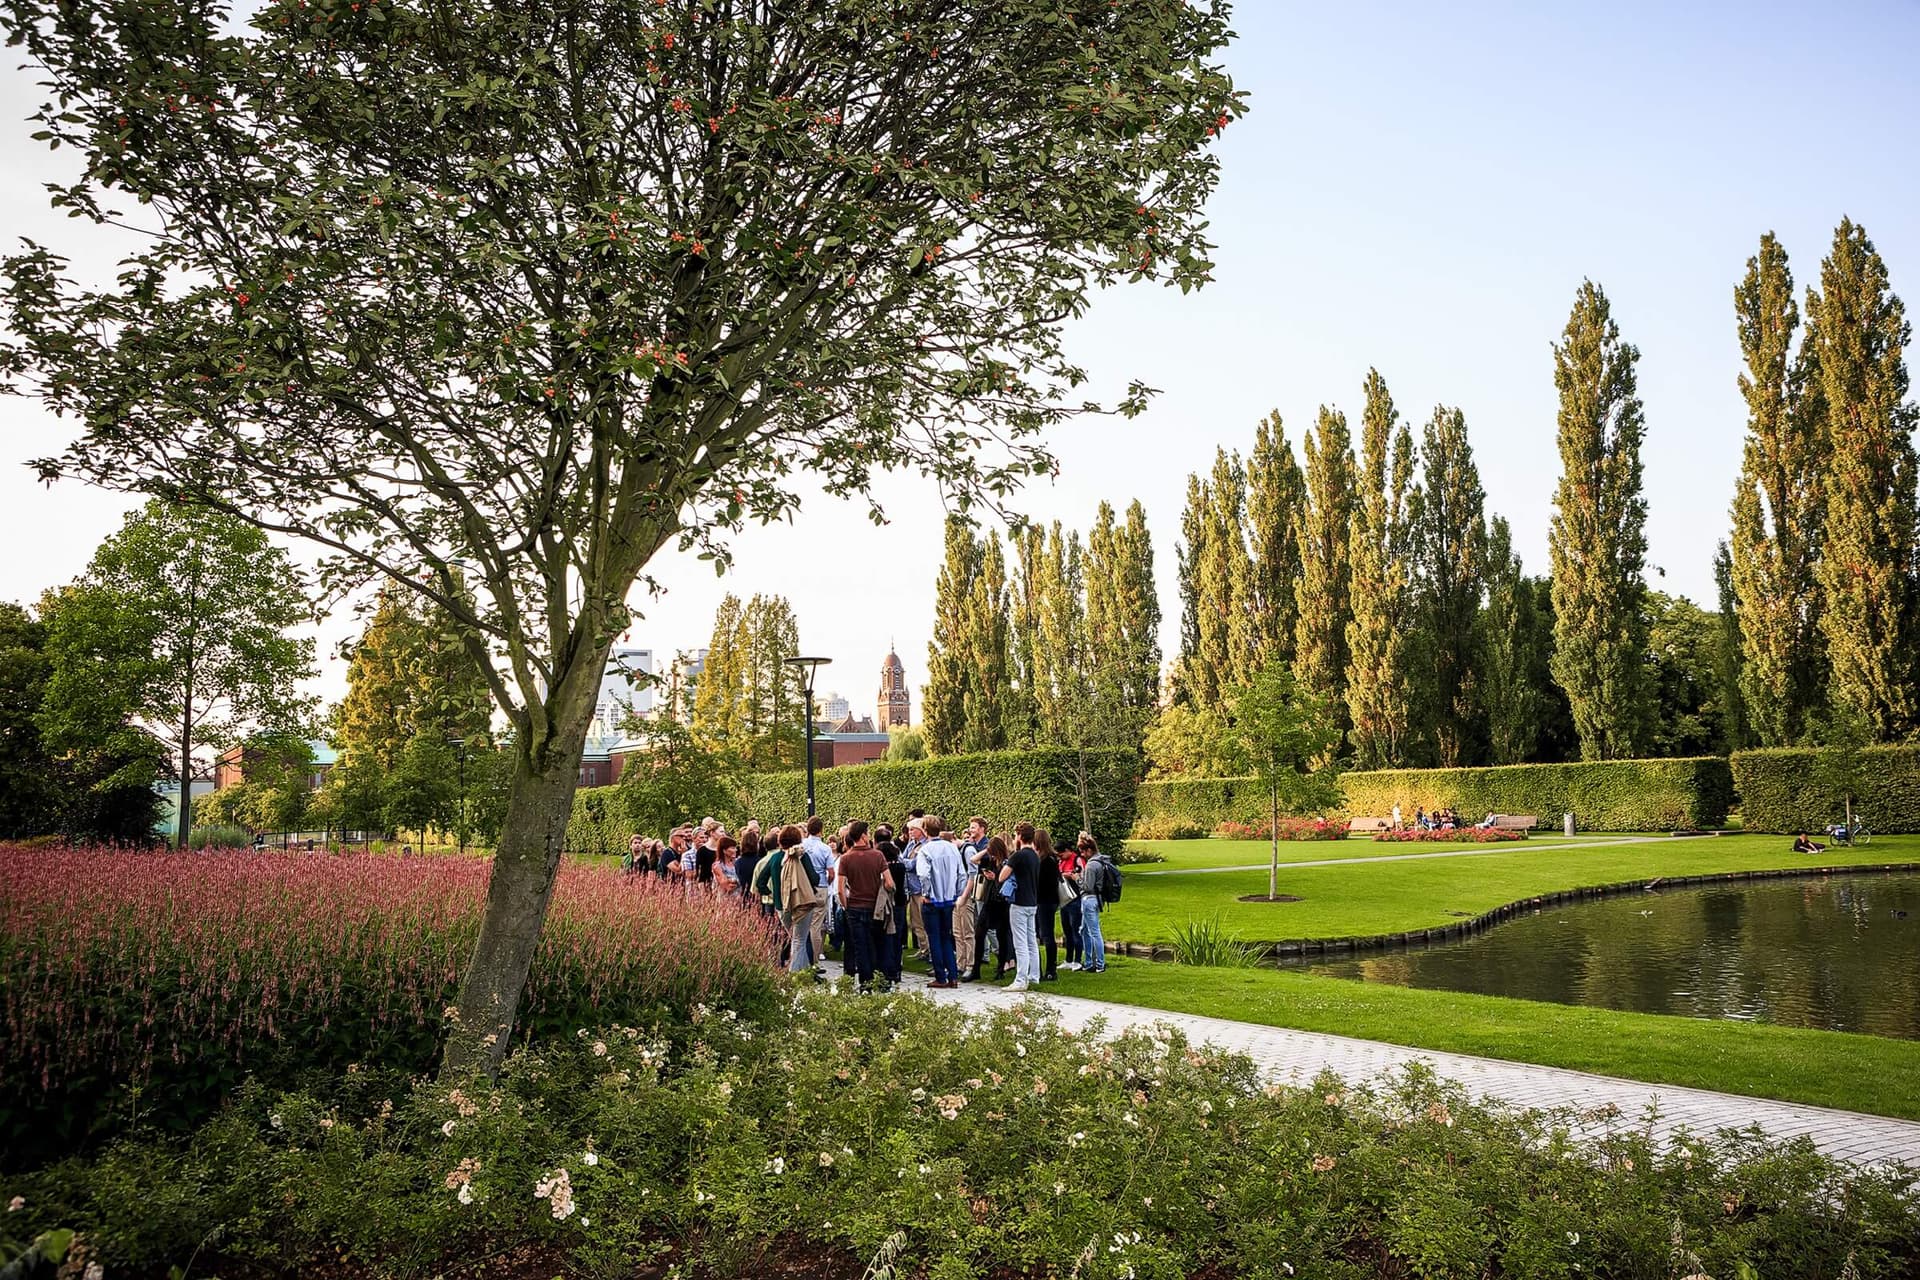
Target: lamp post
point(809, 668)
point(459, 746)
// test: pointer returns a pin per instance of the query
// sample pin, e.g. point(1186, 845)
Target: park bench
point(1368, 826)
point(1515, 822)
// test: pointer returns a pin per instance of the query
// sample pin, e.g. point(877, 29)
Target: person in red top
point(1072, 862)
point(861, 879)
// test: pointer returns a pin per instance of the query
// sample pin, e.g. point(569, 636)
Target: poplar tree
point(985, 635)
point(1778, 508)
point(943, 699)
point(772, 698)
point(1598, 537)
point(1321, 593)
point(1859, 333)
point(1061, 650)
point(1509, 647)
point(1450, 544)
point(1138, 598)
point(717, 694)
point(1105, 628)
point(1377, 634)
point(1728, 663)
point(1276, 492)
point(1193, 523)
point(1219, 585)
point(1024, 696)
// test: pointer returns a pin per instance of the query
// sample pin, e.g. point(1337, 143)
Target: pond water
point(1838, 952)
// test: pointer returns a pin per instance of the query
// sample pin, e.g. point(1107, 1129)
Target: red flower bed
point(179, 974)
point(1290, 829)
point(1458, 835)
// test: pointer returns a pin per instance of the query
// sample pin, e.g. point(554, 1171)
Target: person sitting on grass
point(1803, 845)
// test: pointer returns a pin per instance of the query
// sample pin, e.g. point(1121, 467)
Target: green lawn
point(1191, 855)
point(1392, 897)
point(1821, 1068)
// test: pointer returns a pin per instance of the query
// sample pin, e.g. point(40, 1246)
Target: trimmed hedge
point(1780, 790)
point(1605, 795)
point(1004, 787)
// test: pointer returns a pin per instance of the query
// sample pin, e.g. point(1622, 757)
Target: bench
point(1515, 822)
point(1369, 826)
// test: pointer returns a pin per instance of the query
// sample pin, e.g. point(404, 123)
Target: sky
point(1418, 189)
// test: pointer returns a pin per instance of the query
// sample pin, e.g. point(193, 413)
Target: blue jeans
point(938, 920)
point(859, 949)
point(1090, 936)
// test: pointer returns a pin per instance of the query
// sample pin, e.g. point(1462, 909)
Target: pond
point(1840, 953)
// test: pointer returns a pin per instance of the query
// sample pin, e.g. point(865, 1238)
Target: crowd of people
point(960, 902)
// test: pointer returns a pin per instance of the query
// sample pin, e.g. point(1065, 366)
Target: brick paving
point(1298, 1056)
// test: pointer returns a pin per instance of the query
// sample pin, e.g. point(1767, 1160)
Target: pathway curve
point(1296, 1057)
point(1137, 870)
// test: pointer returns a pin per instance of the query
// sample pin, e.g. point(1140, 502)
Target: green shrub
point(1781, 790)
point(1205, 940)
point(1042, 787)
point(218, 837)
point(1167, 829)
point(1604, 795)
point(835, 1125)
point(1199, 804)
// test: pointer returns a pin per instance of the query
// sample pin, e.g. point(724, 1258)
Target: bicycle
point(1857, 834)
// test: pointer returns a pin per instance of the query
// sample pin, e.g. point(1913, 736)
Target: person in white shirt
point(943, 874)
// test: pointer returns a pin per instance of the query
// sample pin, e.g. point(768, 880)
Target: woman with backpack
point(799, 899)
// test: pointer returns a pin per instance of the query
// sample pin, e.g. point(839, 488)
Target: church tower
point(891, 708)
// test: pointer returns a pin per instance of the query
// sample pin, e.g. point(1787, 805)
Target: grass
point(1373, 898)
point(1209, 854)
point(1792, 1064)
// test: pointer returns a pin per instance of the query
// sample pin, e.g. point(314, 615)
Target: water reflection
point(1841, 953)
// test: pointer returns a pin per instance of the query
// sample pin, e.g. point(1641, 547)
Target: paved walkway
point(1511, 847)
point(1298, 1056)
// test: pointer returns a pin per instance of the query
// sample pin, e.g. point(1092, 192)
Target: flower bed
point(179, 974)
point(1456, 835)
point(1290, 829)
point(834, 1130)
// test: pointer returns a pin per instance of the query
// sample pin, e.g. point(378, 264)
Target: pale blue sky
point(1417, 188)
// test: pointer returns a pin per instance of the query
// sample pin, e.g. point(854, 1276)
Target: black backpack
point(1110, 881)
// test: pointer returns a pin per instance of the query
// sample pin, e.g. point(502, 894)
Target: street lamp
point(809, 668)
point(459, 746)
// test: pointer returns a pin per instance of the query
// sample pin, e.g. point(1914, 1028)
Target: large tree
point(1222, 587)
point(1321, 593)
point(1598, 538)
point(1509, 644)
point(185, 614)
point(1276, 492)
point(943, 700)
point(1859, 331)
point(408, 675)
point(1377, 673)
point(985, 658)
point(1778, 507)
point(544, 290)
point(1123, 624)
point(1450, 552)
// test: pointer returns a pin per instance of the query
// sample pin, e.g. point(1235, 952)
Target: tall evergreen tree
point(717, 695)
point(1218, 585)
point(1450, 551)
point(1859, 332)
point(1321, 593)
point(1276, 492)
point(985, 634)
point(943, 700)
point(1778, 507)
point(1509, 646)
point(1061, 655)
point(772, 697)
point(1377, 635)
point(375, 718)
point(1598, 536)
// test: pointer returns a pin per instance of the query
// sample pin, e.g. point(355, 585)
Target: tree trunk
point(520, 888)
point(183, 816)
point(1273, 835)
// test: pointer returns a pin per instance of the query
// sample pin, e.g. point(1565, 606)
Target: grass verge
point(1211, 854)
point(1374, 897)
point(1791, 1064)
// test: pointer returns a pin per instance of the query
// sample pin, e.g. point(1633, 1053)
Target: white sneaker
point(1016, 985)
point(1071, 965)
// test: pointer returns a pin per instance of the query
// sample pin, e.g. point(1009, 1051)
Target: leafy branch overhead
point(529, 293)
